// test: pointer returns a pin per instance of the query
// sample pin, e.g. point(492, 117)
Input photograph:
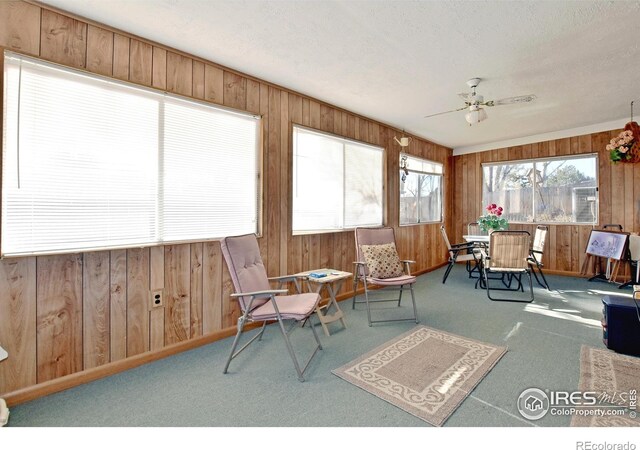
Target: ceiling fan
point(475, 102)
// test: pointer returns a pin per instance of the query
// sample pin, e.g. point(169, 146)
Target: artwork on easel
point(607, 244)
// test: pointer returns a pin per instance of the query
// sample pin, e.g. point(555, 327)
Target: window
point(420, 191)
point(92, 163)
point(337, 183)
point(550, 190)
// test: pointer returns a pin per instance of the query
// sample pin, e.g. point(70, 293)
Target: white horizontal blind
point(210, 173)
point(83, 164)
point(337, 183)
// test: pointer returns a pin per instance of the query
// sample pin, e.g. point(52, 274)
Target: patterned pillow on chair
point(382, 260)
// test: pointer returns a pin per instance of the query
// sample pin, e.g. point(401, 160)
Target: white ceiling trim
point(561, 134)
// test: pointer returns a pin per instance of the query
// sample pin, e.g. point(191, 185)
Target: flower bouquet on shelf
point(492, 221)
point(624, 147)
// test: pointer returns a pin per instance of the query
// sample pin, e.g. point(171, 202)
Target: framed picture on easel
point(607, 244)
point(611, 245)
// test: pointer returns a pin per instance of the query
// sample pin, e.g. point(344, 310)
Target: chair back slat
point(473, 228)
point(248, 274)
point(443, 232)
point(539, 238)
point(509, 249)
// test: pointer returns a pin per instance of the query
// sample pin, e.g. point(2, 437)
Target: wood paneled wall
point(619, 191)
point(61, 315)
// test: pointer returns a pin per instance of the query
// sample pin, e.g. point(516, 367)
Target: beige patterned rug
point(425, 372)
point(616, 380)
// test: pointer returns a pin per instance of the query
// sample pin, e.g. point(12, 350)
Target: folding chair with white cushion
point(259, 302)
point(379, 265)
point(508, 256)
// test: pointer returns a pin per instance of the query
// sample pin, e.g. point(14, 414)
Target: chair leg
point(446, 273)
point(400, 296)
point(520, 286)
point(355, 287)
point(546, 283)
point(366, 298)
point(285, 335)
point(241, 321)
point(413, 300)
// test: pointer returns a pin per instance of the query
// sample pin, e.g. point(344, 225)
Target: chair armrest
point(407, 261)
point(286, 278)
point(462, 245)
point(359, 263)
point(256, 293)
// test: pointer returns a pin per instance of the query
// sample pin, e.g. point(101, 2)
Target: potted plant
point(493, 221)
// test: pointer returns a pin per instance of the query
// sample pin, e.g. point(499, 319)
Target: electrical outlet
point(156, 299)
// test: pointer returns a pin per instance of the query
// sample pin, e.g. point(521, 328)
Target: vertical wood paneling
point(59, 316)
point(177, 260)
point(273, 211)
point(99, 51)
point(235, 90)
point(137, 301)
point(63, 39)
point(196, 290)
point(286, 181)
point(159, 69)
point(140, 62)
point(18, 323)
point(213, 84)
point(198, 80)
point(179, 74)
point(253, 96)
point(20, 27)
point(118, 304)
point(212, 287)
point(156, 281)
point(95, 309)
point(121, 48)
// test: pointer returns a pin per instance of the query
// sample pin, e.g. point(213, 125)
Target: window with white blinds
point(337, 182)
point(92, 163)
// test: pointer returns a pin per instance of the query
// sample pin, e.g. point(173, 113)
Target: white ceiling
point(397, 61)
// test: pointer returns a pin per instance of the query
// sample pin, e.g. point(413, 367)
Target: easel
point(594, 255)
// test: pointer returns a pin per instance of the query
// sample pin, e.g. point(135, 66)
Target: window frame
point(550, 159)
point(295, 125)
point(442, 181)
point(259, 152)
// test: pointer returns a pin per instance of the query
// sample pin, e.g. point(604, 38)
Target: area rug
point(615, 379)
point(425, 372)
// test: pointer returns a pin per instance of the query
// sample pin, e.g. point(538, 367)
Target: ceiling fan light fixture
point(475, 114)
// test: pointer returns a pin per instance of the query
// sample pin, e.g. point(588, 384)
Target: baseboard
point(112, 368)
point(75, 379)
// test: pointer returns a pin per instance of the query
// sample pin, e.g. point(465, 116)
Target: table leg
point(329, 318)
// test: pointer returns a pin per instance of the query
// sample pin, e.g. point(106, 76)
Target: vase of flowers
point(623, 148)
point(493, 220)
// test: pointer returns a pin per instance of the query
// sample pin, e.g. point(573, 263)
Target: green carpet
point(544, 340)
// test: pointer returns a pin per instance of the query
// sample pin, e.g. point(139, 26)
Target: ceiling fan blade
point(446, 112)
point(511, 100)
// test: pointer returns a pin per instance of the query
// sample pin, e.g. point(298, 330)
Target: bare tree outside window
point(558, 190)
point(420, 193)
